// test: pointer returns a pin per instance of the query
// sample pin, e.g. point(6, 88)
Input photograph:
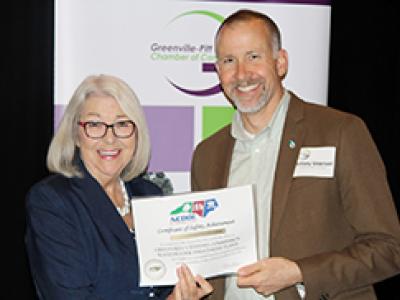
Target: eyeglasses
point(97, 130)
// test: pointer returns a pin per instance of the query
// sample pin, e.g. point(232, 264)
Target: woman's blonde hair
point(62, 154)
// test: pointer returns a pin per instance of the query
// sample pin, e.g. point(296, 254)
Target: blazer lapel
point(226, 159)
point(292, 140)
point(213, 170)
point(104, 214)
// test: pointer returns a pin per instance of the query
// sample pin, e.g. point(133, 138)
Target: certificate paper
point(213, 232)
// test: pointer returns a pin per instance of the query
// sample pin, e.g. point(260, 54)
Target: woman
point(80, 231)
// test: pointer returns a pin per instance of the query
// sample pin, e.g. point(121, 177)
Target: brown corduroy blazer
point(344, 231)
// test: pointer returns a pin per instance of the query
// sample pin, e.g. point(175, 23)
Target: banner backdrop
point(164, 50)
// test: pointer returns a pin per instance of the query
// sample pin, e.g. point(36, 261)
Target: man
point(326, 223)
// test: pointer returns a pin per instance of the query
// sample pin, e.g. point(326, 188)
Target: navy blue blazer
point(78, 245)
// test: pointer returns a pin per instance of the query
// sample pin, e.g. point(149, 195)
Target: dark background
point(364, 79)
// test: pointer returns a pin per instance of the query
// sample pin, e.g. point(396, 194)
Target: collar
point(238, 131)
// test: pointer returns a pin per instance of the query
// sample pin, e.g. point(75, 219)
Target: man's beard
point(261, 103)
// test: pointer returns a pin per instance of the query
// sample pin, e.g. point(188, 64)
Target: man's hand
point(269, 275)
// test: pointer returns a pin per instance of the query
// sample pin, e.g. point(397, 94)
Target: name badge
point(315, 162)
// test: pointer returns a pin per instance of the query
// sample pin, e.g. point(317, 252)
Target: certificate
point(213, 232)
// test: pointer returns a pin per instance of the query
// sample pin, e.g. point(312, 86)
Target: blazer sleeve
point(54, 244)
point(374, 253)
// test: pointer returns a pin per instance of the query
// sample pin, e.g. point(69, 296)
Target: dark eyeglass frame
point(107, 126)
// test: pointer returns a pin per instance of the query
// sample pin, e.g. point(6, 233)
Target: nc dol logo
point(188, 210)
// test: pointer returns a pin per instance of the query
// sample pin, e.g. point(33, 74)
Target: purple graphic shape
point(205, 92)
point(314, 2)
point(172, 137)
point(58, 113)
point(208, 67)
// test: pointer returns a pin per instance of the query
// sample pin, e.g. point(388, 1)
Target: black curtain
point(27, 104)
point(363, 79)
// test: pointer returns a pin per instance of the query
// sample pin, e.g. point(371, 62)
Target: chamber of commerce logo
point(193, 50)
point(189, 210)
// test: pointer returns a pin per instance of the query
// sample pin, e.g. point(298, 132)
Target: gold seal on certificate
point(155, 269)
point(213, 232)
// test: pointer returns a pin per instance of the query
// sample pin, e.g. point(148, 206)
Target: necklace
point(123, 211)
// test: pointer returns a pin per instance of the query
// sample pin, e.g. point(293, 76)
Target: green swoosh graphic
point(210, 14)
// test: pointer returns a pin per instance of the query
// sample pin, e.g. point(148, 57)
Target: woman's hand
point(189, 287)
